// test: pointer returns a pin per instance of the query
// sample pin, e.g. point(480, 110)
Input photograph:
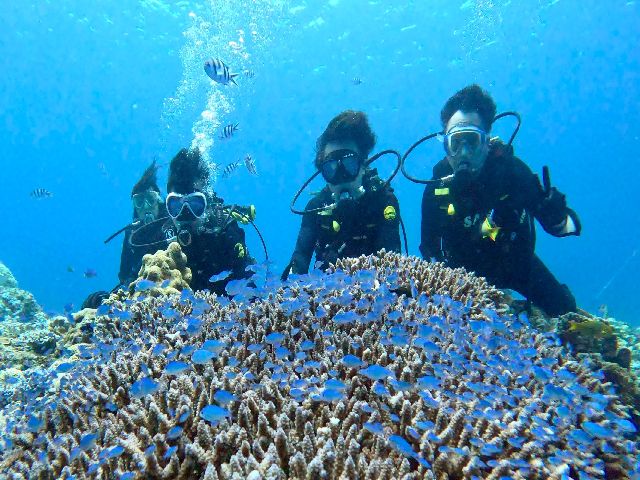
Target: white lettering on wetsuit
point(470, 222)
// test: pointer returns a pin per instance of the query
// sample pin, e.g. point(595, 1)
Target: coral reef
point(24, 335)
point(338, 375)
point(168, 271)
point(7, 279)
point(588, 335)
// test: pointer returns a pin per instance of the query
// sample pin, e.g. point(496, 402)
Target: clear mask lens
point(470, 138)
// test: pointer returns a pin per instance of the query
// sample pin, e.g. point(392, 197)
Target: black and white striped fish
point(230, 169)
point(249, 73)
point(250, 164)
point(356, 81)
point(219, 72)
point(228, 131)
point(41, 193)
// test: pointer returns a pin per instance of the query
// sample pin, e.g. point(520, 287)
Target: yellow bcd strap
point(389, 212)
point(245, 215)
point(441, 191)
point(239, 249)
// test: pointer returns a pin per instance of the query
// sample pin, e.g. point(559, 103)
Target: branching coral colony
point(385, 367)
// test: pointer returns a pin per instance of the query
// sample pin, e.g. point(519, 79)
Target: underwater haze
point(92, 92)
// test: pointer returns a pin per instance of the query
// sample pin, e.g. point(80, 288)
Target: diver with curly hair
point(206, 228)
point(356, 213)
point(479, 211)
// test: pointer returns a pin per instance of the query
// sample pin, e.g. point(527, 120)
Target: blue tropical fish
point(202, 356)
point(377, 372)
point(144, 386)
point(214, 414)
point(176, 367)
point(224, 397)
point(220, 276)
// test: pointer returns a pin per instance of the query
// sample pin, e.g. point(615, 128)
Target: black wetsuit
point(355, 227)
point(506, 194)
point(213, 250)
point(148, 239)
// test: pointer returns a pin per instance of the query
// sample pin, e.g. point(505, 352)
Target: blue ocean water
point(92, 92)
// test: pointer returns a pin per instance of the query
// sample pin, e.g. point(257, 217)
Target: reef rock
point(24, 334)
point(7, 279)
point(162, 273)
point(386, 367)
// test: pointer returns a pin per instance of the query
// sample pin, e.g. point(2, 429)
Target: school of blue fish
point(427, 379)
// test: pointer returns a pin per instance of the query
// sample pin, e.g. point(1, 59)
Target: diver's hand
point(95, 299)
point(552, 210)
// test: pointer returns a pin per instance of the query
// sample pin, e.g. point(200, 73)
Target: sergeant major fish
point(41, 193)
point(218, 71)
point(229, 169)
point(250, 164)
point(228, 131)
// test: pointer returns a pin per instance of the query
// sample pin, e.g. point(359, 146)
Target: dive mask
point(341, 166)
point(195, 202)
point(464, 135)
point(145, 199)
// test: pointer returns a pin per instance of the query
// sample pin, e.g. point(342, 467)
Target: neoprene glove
point(552, 210)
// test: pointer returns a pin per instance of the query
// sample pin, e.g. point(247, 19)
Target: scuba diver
point(206, 229)
point(356, 213)
point(478, 210)
point(148, 208)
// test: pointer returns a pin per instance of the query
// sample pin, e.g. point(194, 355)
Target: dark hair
point(187, 172)
point(470, 99)
point(347, 126)
point(148, 180)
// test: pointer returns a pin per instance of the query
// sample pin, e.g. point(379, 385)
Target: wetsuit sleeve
point(389, 234)
point(306, 242)
point(126, 275)
point(549, 208)
point(429, 228)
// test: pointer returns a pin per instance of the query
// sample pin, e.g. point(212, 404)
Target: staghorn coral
point(326, 376)
point(167, 269)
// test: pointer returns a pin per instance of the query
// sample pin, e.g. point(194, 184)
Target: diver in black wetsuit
point(356, 213)
point(206, 229)
point(141, 236)
point(148, 206)
point(480, 215)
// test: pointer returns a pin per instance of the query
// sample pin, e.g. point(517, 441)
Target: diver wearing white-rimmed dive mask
point(466, 146)
point(188, 213)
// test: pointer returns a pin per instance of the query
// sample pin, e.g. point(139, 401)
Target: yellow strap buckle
point(389, 212)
